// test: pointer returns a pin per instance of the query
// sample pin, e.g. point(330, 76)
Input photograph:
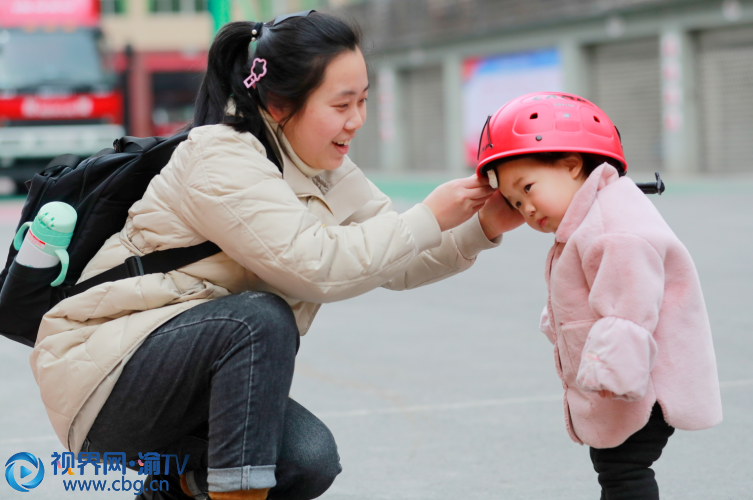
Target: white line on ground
point(735, 383)
point(408, 409)
point(27, 440)
point(478, 404)
point(443, 407)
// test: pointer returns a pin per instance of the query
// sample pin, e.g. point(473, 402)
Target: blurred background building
point(674, 75)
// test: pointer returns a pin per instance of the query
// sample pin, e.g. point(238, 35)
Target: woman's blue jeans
point(213, 383)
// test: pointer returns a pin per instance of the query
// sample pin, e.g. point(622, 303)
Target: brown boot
point(184, 486)
point(239, 495)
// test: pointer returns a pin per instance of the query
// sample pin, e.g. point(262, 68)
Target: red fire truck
point(56, 95)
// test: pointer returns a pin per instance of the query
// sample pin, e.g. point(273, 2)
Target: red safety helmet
point(548, 122)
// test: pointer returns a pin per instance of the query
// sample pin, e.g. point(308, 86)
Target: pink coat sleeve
point(626, 278)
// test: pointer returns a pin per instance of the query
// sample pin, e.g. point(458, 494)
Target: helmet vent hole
point(534, 116)
point(596, 119)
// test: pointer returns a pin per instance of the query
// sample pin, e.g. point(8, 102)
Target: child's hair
point(590, 161)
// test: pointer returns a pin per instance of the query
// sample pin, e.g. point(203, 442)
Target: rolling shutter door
point(725, 65)
point(424, 118)
point(365, 147)
point(626, 84)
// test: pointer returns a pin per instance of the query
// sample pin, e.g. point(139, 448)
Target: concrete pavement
point(449, 391)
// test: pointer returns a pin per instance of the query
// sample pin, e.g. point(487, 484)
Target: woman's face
point(321, 133)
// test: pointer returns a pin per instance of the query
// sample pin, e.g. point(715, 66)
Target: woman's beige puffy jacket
point(309, 236)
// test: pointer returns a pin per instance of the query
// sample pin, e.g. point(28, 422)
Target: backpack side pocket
point(25, 297)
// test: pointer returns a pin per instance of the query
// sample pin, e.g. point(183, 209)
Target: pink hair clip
point(253, 78)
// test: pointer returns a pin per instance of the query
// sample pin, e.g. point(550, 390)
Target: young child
point(632, 342)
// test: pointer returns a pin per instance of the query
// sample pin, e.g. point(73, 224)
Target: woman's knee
point(311, 479)
point(309, 461)
point(309, 476)
point(320, 461)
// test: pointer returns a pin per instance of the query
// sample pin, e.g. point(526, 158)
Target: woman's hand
point(456, 201)
point(498, 217)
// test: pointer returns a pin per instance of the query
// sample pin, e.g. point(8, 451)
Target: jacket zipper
point(550, 309)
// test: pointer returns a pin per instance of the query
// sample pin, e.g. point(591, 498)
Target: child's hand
point(606, 394)
point(497, 217)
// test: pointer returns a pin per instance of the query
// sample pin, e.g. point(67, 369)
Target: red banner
point(25, 13)
point(79, 106)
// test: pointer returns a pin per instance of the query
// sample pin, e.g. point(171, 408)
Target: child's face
point(541, 192)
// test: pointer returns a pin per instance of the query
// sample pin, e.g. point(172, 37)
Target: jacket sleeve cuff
point(618, 356)
point(471, 240)
point(424, 227)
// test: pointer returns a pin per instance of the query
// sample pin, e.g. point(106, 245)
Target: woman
point(199, 361)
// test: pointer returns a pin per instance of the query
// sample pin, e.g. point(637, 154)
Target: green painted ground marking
point(11, 199)
point(409, 188)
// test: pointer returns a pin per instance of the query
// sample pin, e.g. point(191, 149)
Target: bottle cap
point(54, 224)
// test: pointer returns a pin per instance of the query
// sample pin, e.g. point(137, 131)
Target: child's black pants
point(624, 471)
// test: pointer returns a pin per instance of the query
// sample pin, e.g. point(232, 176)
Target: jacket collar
point(343, 190)
point(604, 175)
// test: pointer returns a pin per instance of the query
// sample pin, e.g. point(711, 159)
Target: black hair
point(590, 162)
point(297, 50)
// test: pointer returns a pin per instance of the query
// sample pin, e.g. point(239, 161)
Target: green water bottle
point(47, 239)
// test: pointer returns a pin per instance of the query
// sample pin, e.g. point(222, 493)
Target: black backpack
point(101, 188)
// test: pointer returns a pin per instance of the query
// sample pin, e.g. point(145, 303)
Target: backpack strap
point(156, 262)
point(162, 261)
point(59, 163)
point(63, 161)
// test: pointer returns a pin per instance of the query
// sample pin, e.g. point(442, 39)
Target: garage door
point(364, 149)
point(626, 84)
point(423, 116)
point(725, 64)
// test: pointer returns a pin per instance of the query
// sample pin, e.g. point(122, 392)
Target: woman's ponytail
point(227, 67)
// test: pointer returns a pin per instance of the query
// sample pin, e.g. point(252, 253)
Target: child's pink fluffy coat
point(626, 314)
